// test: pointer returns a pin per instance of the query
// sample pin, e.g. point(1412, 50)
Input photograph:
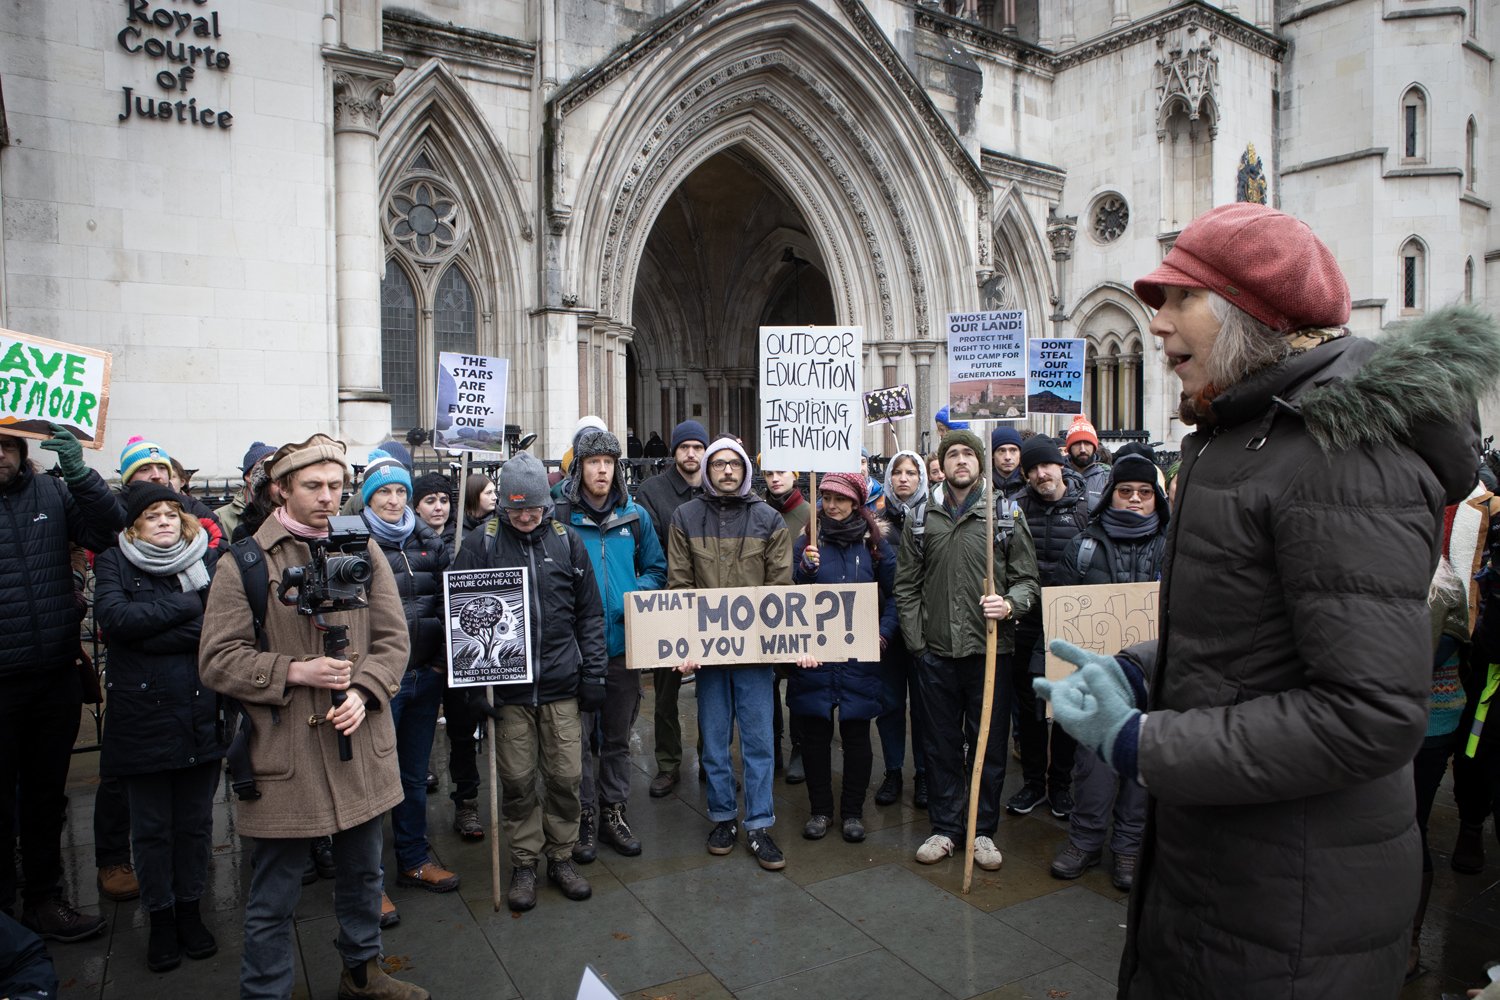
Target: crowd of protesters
point(1259, 777)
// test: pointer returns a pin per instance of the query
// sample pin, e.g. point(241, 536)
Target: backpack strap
point(256, 578)
point(234, 718)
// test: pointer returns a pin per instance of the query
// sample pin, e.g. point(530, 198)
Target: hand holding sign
point(46, 384)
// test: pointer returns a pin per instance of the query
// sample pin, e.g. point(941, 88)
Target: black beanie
point(428, 484)
point(1040, 450)
point(1134, 463)
point(143, 495)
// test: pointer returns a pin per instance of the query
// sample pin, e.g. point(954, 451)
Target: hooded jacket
point(727, 541)
point(622, 545)
point(1292, 668)
point(418, 564)
point(895, 512)
point(39, 516)
point(940, 578)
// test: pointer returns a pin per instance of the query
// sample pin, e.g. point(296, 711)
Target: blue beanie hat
point(398, 451)
point(253, 454)
point(689, 430)
point(953, 425)
point(1004, 435)
point(383, 470)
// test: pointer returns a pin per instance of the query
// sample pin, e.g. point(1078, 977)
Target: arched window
point(1411, 281)
point(1469, 280)
point(398, 344)
point(1471, 153)
point(1413, 125)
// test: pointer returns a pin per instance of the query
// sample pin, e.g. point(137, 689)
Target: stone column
point(890, 359)
point(921, 353)
point(1121, 14)
point(1108, 393)
point(682, 407)
point(1061, 231)
point(1130, 405)
point(1264, 14)
point(664, 422)
point(1066, 34)
point(360, 80)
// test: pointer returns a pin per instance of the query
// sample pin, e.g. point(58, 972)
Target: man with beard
point(1290, 678)
point(626, 555)
point(1082, 444)
point(660, 496)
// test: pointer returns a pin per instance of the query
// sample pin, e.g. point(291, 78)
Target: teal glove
point(69, 455)
point(1130, 684)
point(1091, 708)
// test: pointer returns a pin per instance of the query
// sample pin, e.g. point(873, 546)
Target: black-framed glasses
point(720, 464)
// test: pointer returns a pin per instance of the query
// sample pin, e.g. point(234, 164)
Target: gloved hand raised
point(69, 455)
point(1133, 693)
point(1089, 706)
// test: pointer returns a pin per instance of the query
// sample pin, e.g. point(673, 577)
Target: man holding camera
point(297, 702)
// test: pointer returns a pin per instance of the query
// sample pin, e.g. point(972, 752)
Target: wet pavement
point(842, 920)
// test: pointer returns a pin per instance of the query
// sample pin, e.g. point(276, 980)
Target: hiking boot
point(573, 885)
point(196, 939)
point(986, 854)
point(889, 790)
point(1123, 873)
point(1071, 862)
point(796, 774)
point(162, 950)
point(310, 872)
point(765, 850)
point(429, 875)
point(934, 849)
point(664, 782)
point(854, 829)
point(722, 837)
point(118, 882)
point(466, 820)
point(322, 855)
point(816, 827)
point(1468, 849)
point(389, 916)
point(54, 920)
point(585, 848)
point(614, 830)
point(370, 982)
point(1027, 799)
point(522, 894)
point(919, 791)
point(1062, 802)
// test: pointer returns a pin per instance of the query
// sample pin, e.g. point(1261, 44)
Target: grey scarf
point(183, 559)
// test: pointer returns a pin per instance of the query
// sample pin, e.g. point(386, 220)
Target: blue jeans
point(743, 695)
point(414, 712)
point(898, 675)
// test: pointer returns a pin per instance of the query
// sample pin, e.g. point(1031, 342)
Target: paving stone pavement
point(842, 920)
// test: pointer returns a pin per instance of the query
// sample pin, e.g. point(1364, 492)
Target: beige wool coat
point(306, 791)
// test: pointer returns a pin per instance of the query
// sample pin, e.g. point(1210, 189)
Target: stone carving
point(1109, 218)
point(997, 292)
point(423, 216)
point(356, 101)
point(411, 33)
point(1187, 73)
point(1250, 182)
point(1061, 230)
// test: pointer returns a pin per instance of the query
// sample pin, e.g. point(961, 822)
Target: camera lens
point(349, 569)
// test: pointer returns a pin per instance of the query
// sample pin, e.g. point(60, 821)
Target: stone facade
point(289, 212)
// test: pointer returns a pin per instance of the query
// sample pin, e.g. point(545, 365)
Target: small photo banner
point(46, 382)
point(892, 403)
point(1054, 375)
point(471, 403)
point(744, 626)
point(488, 614)
point(810, 406)
point(986, 365)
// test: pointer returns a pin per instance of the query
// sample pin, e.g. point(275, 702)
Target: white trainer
point(986, 854)
point(935, 848)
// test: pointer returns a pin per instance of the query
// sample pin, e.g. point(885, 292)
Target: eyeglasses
point(720, 464)
point(1127, 492)
point(527, 511)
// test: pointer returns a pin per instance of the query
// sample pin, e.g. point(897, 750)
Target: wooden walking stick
point(489, 696)
point(991, 639)
point(459, 508)
point(812, 522)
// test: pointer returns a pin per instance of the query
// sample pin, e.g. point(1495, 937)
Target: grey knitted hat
point(523, 483)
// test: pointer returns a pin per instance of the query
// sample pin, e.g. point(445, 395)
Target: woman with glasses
point(1124, 543)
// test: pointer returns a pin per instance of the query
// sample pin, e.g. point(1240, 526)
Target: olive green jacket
point(940, 579)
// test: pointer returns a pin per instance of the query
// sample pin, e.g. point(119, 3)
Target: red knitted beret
point(1263, 261)
point(849, 484)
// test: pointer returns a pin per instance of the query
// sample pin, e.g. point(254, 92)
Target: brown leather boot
point(370, 982)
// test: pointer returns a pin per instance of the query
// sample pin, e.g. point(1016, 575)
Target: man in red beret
point(1290, 676)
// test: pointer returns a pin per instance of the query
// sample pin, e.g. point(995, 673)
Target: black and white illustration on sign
point(487, 612)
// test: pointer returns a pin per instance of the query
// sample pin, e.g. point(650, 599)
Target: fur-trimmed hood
point(1419, 385)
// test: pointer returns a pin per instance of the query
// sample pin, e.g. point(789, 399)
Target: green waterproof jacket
point(940, 578)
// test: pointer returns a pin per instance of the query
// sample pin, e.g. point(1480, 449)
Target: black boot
point(196, 940)
point(614, 830)
point(919, 791)
point(889, 790)
point(586, 847)
point(162, 953)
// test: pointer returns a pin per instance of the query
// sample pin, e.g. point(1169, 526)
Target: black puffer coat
point(1292, 670)
point(1055, 523)
point(39, 516)
point(160, 716)
point(418, 567)
point(567, 613)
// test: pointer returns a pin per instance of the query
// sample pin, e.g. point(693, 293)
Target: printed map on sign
point(488, 615)
point(1054, 375)
point(45, 382)
point(471, 402)
point(811, 413)
point(986, 365)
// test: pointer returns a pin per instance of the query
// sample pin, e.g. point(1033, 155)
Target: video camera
point(336, 578)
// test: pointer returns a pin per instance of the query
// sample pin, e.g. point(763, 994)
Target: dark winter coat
point(418, 567)
point(39, 516)
point(160, 716)
point(1111, 560)
point(661, 495)
point(854, 686)
point(728, 542)
point(567, 615)
point(1292, 670)
point(1055, 523)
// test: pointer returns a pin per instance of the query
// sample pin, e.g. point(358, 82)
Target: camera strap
point(256, 578)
